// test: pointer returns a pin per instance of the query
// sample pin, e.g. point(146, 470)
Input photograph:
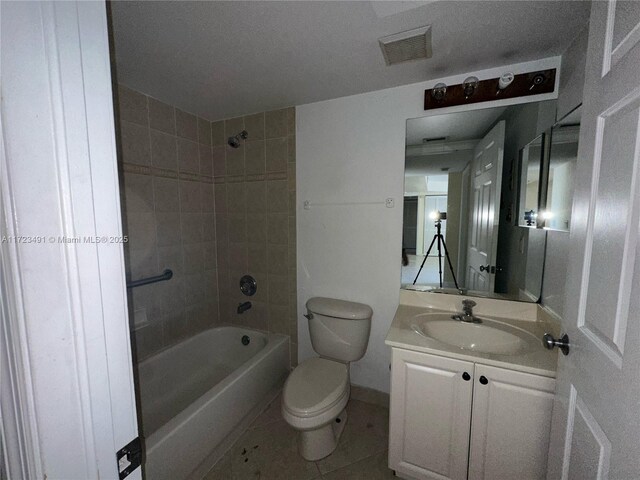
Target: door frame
point(69, 404)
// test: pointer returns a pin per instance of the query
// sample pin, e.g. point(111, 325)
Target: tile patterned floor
point(268, 451)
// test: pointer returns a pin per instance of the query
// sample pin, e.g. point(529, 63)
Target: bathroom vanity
point(469, 400)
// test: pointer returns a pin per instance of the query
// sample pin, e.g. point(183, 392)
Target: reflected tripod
point(440, 243)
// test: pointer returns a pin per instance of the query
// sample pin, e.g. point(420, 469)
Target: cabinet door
point(510, 426)
point(430, 416)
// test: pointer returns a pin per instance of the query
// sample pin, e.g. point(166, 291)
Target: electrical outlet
point(389, 202)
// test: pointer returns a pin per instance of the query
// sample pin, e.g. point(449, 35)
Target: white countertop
point(538, 361)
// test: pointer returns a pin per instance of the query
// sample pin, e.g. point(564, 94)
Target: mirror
point(530, 163)
point(561, 165)
point(462, 181)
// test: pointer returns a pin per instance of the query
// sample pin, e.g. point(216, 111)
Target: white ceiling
point(224, 59)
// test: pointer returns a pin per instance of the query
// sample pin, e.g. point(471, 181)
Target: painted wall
point(350, 157)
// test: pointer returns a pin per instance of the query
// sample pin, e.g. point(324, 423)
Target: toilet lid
point(315, 385)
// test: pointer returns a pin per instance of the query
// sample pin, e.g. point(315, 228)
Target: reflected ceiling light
point(546, 215)
point(469, 86)
point(439, 91)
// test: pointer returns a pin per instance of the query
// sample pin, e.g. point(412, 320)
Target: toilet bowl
point(317, 391)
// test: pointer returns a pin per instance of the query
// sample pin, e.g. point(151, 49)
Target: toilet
point(317, 391)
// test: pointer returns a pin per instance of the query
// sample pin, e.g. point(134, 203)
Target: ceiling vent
point(407, 46)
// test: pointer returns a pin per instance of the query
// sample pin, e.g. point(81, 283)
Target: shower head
point(234, 141)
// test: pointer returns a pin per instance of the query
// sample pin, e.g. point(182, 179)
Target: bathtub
point(197, 392)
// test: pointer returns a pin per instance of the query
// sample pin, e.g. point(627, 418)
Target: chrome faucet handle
point(466, 303)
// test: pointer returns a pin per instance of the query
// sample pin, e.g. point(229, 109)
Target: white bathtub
point(194, 394)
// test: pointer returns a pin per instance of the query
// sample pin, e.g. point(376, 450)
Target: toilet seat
point(316, 386)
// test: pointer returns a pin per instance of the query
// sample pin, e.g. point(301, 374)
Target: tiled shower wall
point(210, 213)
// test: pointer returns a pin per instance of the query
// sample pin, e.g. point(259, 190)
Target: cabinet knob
point(483, 380)
point(466, 377)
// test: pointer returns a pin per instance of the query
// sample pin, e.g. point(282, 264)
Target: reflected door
point(486, 178)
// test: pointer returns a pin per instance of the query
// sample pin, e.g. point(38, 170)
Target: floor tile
point(267, 452)
point(370, 468)
point(271, 414)
point(359, 440)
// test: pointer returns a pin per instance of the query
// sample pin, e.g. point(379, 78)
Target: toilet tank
point(339, 329)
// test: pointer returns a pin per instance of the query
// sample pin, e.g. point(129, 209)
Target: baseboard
point(369, 395)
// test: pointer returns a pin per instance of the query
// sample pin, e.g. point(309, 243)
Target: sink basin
point(490, 336)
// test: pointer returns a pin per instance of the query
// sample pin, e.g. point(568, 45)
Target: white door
point(68, 404)
point(596, 418)
point(486, 180)
point(430, 415)
point(511, 420)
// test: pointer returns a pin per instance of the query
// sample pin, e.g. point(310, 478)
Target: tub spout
point(243, 307)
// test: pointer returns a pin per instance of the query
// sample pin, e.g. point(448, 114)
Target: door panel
point(430, 416)
point(595, 428)
point(510, 425)
point(486, 183)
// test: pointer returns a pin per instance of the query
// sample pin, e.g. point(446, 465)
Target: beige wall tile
point(275, 123)
point(134, 140)
point(209, 256)
point(278, 259)
point(219, 155)
point(222, 229)
point(208, 227)
point(204, 131)
point(143, 262)
point(186, 125)
point(233, 126)
point(236, 198)
point(237, 261)
point(257, 227)
point(174, 328)
point(276, 153)
point(254, 124)
point(163, 150)
point(277, 196)
point(222, 260)
point(171, 257)
point(220, 193)
point(190, 196)
point(217, 133)
point(278, 290)
point(191, 224)
point(166, 194)
point(141, 230)
point(206, 160)
point(208, 204)
point(235, 160)
point(162, 116)
point(291, 176)
point(188, 156)
point(132, 106)
point(168, 231)
point(291, 120)
point(148, 340)
point(254, 157)
point(291, 149)
point(257, 257)
point(278, 320)
point(278, 228)
point(138, 193)
point(193, 255)
point(256, 197)
point(237, 228)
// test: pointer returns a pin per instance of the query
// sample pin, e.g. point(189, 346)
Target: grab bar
point(166, 275)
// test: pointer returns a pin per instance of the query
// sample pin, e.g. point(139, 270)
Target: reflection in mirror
point(562, 161)
point(530, 162)
point(461, 192)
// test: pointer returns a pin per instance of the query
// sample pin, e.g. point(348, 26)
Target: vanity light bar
point(522, 85)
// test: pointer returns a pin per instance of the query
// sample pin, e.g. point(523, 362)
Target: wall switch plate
point(389, 203)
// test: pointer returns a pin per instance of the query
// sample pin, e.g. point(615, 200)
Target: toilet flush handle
point(309, 316)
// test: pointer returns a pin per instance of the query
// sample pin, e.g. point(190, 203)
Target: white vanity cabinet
point(458, 420)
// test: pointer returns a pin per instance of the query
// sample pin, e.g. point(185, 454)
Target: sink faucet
point(467, 312)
